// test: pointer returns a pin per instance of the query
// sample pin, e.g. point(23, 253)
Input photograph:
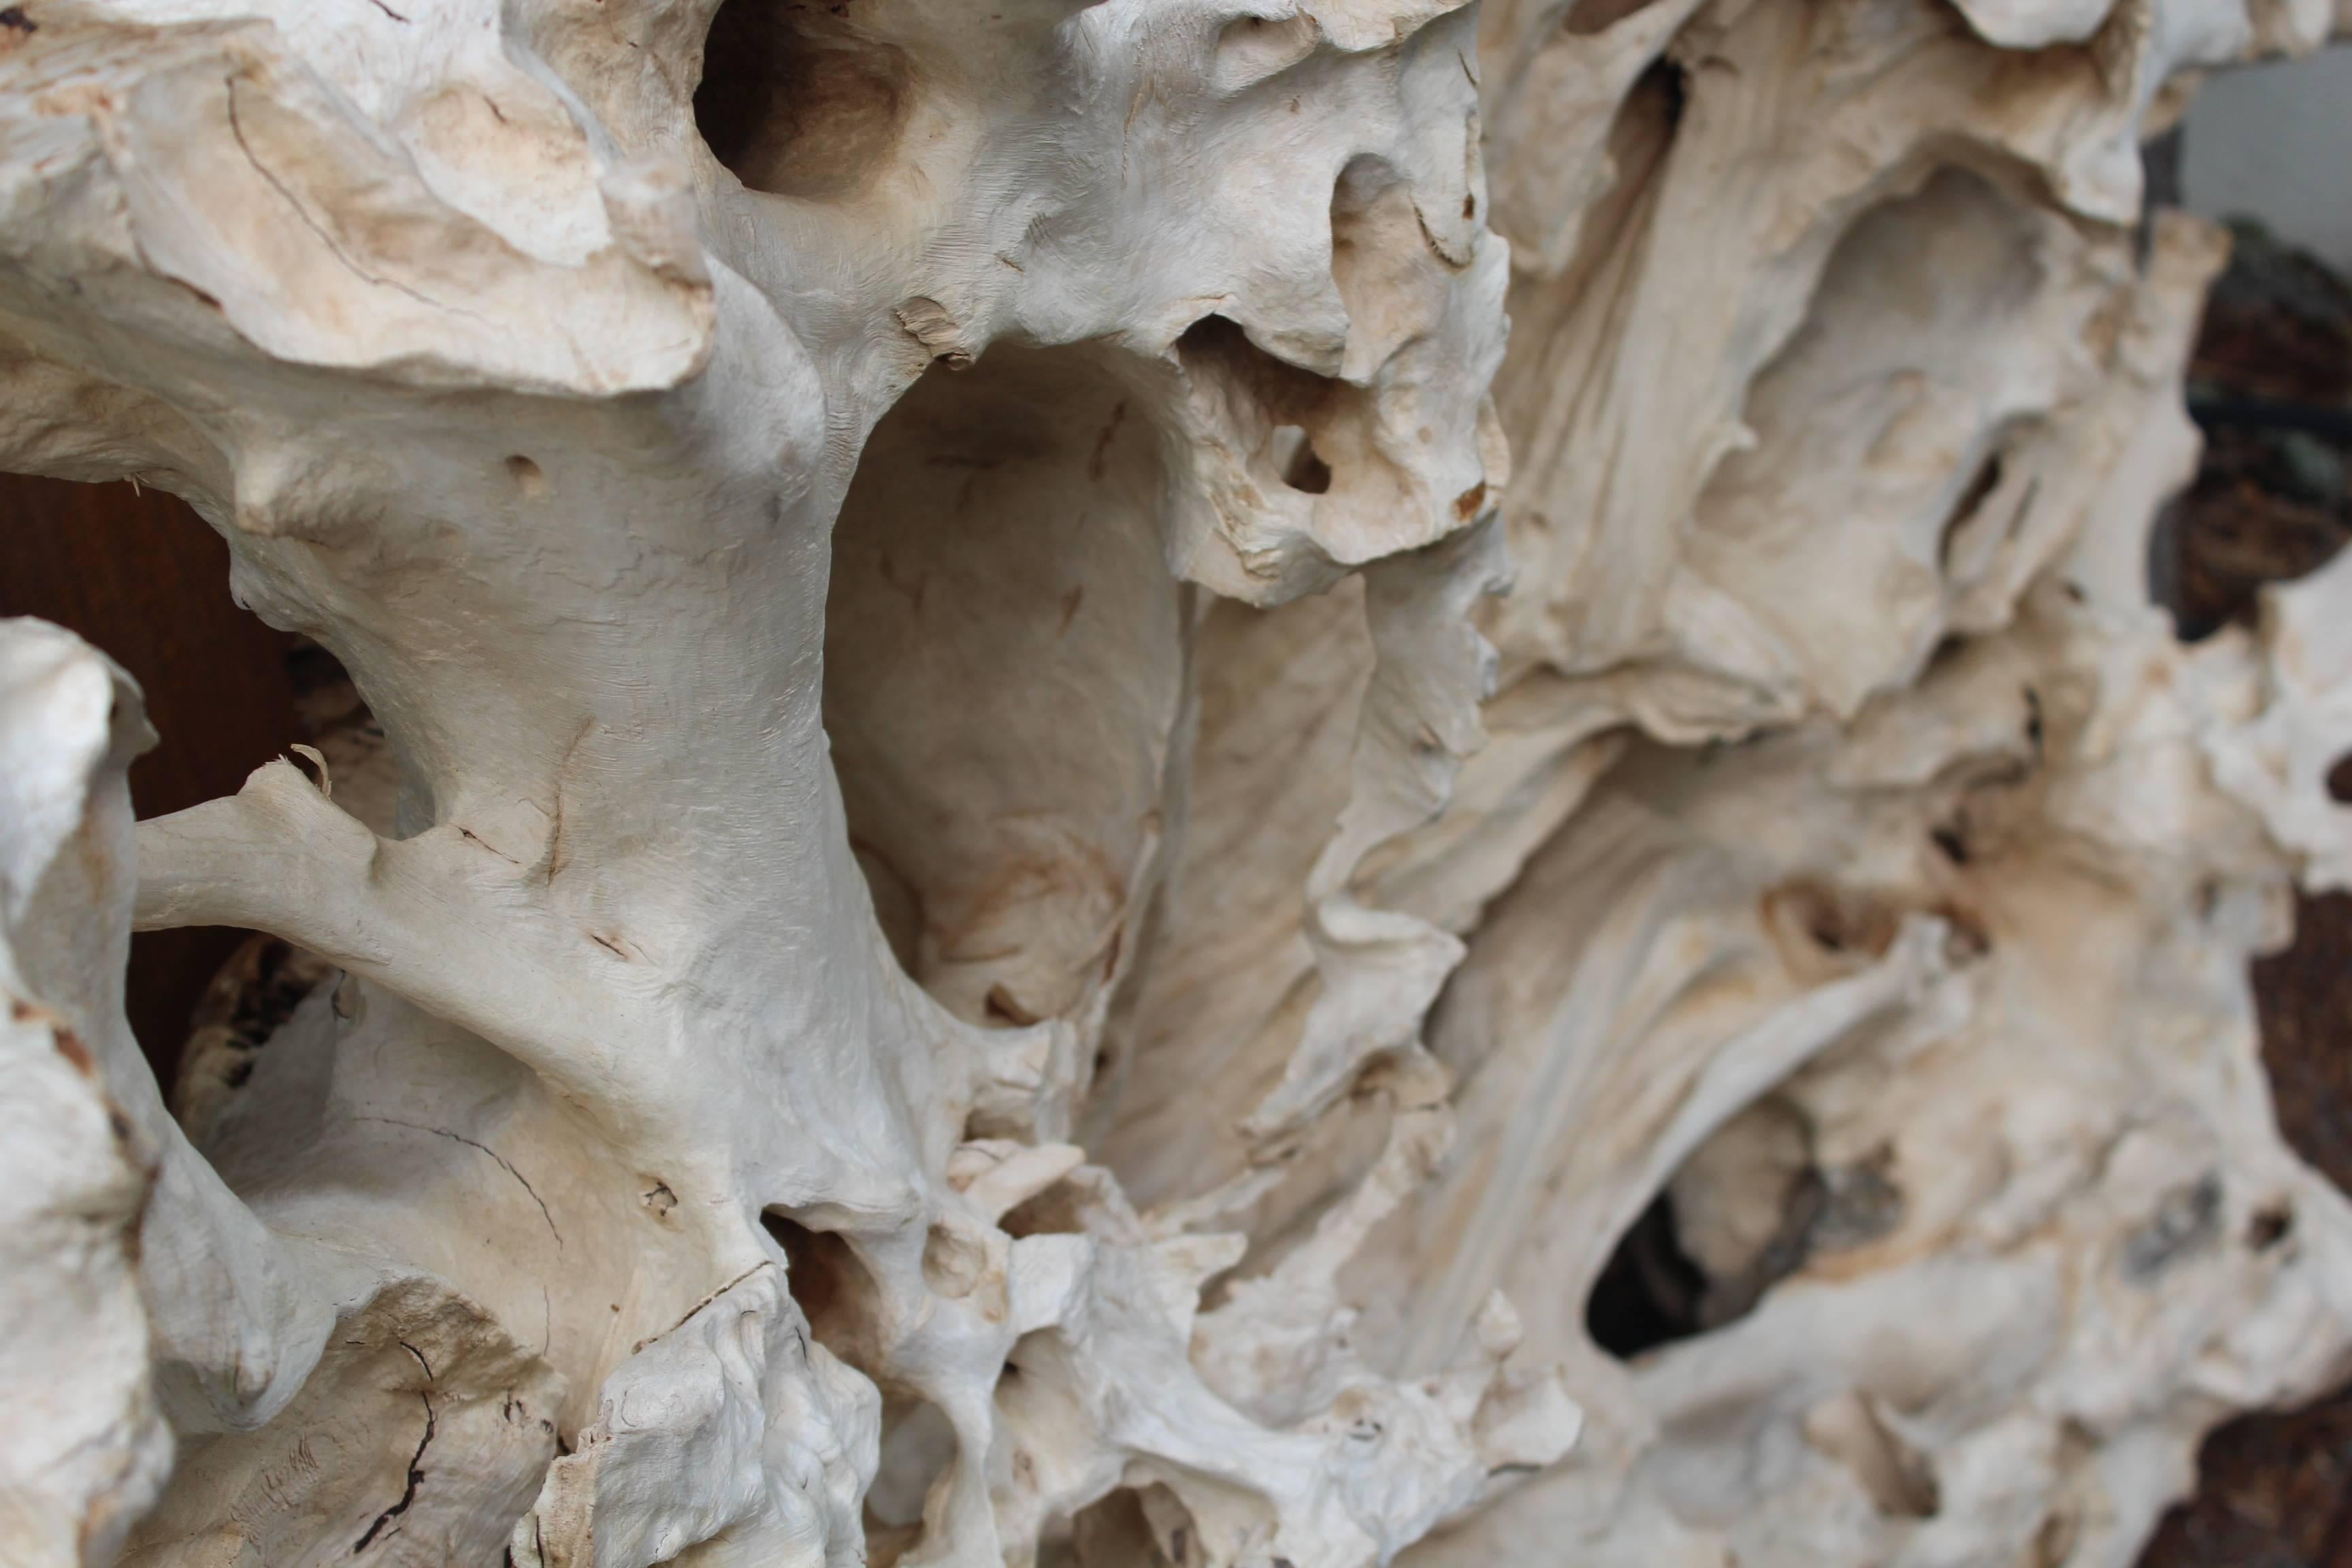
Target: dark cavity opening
point(1649, 1292)
point(836, 1291)
point(2339, 780)
point(796, 100)
point(1662, 1283)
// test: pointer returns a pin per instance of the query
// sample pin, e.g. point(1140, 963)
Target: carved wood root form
point(1023, 906)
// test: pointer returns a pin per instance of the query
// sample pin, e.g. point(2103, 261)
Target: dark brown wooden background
point(142, 576)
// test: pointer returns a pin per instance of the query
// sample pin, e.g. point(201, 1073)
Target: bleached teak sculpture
point(1024, 907)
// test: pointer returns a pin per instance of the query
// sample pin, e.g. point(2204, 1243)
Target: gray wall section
point(2274, 143)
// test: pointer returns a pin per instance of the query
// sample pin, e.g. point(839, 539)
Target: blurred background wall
point(2274, 142)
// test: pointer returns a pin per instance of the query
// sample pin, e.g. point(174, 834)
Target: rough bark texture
point(963, 925)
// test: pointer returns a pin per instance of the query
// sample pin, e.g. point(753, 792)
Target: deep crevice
point(415, 1463)
point(1981, 485)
